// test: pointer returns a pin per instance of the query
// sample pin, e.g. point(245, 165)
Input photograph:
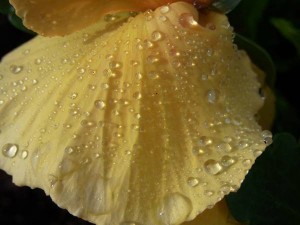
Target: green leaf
point(259, 57)
point(288, 30)
point(270, 193)
point(287, 119)
point(5, 7)
point(17, 22)
point(248, 15)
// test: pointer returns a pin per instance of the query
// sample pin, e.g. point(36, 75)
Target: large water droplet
point(193, 181)
point(224, 147)
point(10, 150)
point(16, 69)
point(164, 9)
point(267, 136)
point(187, 20)
point(227, 161)
point(213, 167)
point(99, 104)
point(175, 209)
point(212, 96)
point(157, 35)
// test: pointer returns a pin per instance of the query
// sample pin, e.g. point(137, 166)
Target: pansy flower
point(129, 118)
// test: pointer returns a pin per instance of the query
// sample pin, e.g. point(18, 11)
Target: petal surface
point(149, 121)
point(61, 17)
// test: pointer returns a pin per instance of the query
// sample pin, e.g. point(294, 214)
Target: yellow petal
point(150, 123)
point(218, 215)
point(57, 17)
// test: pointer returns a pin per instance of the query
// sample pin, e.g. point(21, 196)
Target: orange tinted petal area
point(62, 17)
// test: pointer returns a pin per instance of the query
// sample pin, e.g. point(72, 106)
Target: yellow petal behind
point(149, 122)
point(57, 17)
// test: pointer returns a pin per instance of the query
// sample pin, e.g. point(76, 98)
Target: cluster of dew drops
point(211, 166)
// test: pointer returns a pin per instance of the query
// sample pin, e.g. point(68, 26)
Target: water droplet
point(209, 193)
point(87, 123)
point(81, 70)
point(267, 136)
point(105, 86)
point(69, 150)
point(34, 81)
point(164, 9)
point(115, 65)
point(212, 96)
point(24, 154)
point(212, 167)
point(157, 35)
point(10, 150)
point(242, 145)
point(137, 95)
point(163, 18)
point(99, 104)
point(198, 151)
point(257, 153)
point(152, 59)
point(37, 61)
point(203, 141)
point(224, 147)
point(1, 102)
point(52, 180)
point(187, 20)
point(153, 75)
point(148, 44)
point(16, 69)
point(247, 162)
point(74, 95)
point(225, 189)
point(193, 181)
point(169, 212)
point(227, 161)
point(110, 18)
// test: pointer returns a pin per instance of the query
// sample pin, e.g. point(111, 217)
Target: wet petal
point(56, 17)
point(150, 123)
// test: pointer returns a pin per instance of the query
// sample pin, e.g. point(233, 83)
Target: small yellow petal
point(57, 17)
point(145, 122)
point(218, 215)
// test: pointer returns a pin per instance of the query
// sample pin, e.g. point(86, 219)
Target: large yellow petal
point(149, 122)
point(61, 17)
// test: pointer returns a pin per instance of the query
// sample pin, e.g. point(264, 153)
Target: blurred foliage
point(288, 30)
point(270, 194)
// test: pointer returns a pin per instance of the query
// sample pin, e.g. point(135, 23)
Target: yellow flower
point(136, 119)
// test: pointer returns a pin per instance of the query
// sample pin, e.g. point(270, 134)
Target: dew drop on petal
point(24, 154)
point(164, 9)
point(16, 69)
point(187, 20)
point(267, 136)
point(10, 150)
point(212, 167)
point(257, 153)
point(99, 104)
point(212, 96)
point(193, 181)
point(227, 161)
point(157, 35)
